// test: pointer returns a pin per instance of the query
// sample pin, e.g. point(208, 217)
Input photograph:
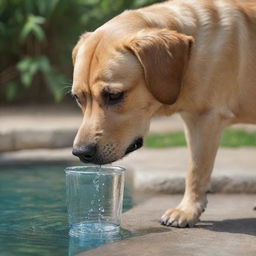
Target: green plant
point(27, 43)
point(37, 37)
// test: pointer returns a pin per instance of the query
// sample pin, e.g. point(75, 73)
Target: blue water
point(33, 217)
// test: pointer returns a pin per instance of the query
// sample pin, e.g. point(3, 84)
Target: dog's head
point(120, 84)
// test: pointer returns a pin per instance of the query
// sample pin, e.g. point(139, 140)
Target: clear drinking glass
point(94, 199)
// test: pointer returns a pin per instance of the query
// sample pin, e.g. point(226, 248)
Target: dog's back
point(223, 58)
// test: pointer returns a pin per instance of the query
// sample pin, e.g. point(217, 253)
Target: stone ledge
point(164, 170)
point(36, 139)
point(39, 156)
point(161, 170)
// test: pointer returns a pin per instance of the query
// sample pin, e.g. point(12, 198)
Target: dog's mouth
point(98, 159)
point(137, 143)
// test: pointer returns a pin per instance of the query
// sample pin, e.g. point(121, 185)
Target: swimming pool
point(33, 217)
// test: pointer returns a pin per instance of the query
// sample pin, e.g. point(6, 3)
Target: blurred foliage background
point(37, 37)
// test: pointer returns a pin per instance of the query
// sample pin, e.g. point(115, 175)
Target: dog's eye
point(113, 98)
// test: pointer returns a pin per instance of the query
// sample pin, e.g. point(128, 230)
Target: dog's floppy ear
point(163, 55)
point(78, 44)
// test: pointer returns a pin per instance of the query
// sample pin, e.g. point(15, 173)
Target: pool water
point(33, 215)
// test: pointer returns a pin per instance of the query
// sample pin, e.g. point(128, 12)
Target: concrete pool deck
point(227, 228)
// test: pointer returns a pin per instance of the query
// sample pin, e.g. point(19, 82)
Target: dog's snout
point(85, 153)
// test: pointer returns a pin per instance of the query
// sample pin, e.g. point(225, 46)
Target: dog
point(196, 58)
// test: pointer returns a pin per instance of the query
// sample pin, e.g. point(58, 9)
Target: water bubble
point(101, 209)
point(96, 182)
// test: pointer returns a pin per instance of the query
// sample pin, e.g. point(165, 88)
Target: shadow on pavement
point(240, 226)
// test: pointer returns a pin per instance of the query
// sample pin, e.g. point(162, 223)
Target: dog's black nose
point(85, 153)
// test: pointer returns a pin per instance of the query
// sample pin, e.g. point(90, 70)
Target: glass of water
point(94, 199)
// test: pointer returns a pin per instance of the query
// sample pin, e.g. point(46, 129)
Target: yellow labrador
point(192, 57)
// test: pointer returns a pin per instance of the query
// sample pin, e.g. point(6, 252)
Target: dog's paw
point(185, 215)
point(179, 218)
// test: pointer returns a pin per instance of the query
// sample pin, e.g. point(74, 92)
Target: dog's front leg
point(203, 134)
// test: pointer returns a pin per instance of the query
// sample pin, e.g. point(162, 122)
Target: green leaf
point(34, 66)
point(24, 64)
point(44, 64)
point(27, 29)
point(32, 26)
point(55, 83)
point(38, 32)
point(36, 19)
point(11, 90)
point(26, 79)
point(28, 68)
